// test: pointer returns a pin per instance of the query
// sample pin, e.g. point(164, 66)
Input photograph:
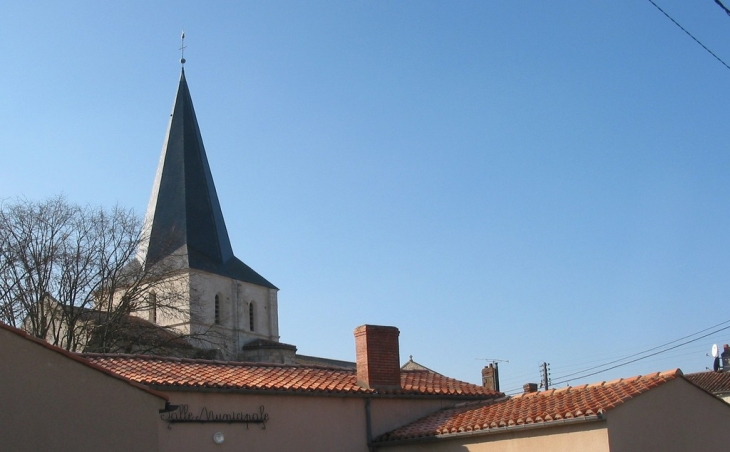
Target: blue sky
point(520, 180)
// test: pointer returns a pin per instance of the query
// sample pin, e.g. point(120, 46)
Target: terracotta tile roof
point(160, 372)
point(714, 382)
point(580, 402)
point(74, 357)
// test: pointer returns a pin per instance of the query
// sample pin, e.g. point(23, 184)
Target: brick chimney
point(378, 357)
point(529, 387)
point(490, 377)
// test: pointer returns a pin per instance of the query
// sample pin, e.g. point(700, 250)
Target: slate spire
point(184, 216)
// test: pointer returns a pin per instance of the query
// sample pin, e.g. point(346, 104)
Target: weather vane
point(182, 48)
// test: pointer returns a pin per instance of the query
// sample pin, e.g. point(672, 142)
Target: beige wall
point(50, 402)
point(578, 437)
point(296, 422)
point(390, 413)
point(676, 416)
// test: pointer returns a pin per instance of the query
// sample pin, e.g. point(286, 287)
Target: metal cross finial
point(182, 48)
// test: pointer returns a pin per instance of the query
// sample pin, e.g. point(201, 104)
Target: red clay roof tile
point(161, 371)
point(538, 407)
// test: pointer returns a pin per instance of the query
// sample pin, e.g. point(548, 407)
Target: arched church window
point(217, 309)
point(153, 307)
point(251, 316)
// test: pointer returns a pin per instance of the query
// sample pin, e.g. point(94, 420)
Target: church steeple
point(184, 217)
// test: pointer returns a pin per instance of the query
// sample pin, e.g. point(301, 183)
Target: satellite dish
point(715, 351)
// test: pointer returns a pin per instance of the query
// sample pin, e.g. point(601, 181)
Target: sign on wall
point(184, 414)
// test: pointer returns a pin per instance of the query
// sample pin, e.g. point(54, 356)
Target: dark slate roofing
point(305, 360)
point(257, 344)
point(184, 213)
point(711, 381)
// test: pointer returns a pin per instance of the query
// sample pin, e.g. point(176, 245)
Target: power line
point(514, 388)
point(514, 385)
point(723, 7)
point(660, 349)
point(642, 357)
point(690, 34)
point(648, 350)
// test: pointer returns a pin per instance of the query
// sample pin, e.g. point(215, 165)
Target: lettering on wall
point(207, 415)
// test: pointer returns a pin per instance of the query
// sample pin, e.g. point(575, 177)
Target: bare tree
point(68, 274)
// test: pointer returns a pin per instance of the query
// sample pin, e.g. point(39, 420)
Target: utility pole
point(545, 375)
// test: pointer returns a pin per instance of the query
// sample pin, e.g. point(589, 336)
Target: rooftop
point(581, 402)
point(711, 381)
point(177, 373)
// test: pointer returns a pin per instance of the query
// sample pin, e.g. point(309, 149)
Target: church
point(229, 309)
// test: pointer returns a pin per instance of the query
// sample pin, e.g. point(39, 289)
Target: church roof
point(184, 216)
point(306, 360)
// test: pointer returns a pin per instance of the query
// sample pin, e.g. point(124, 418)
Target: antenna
point(496, 371)
point(495, 361)
point(182, 48)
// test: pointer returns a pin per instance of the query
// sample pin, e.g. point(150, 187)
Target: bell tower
point(228, 304)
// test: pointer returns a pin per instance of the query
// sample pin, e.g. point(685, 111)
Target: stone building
point(228, 307)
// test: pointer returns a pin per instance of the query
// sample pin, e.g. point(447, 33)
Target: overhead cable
point(562, 377)
point(563, 380)
point(723, 7)
point(626, 360)
point(690, 34)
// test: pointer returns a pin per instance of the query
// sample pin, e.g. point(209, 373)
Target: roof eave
point(490, 431)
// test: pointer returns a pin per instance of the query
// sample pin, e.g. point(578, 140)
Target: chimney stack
point(378, 357)
point(490, 377)
point(725, 358)
point(529, 388)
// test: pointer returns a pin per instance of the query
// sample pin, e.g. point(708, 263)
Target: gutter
point(486, 432)
point(369, 395)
